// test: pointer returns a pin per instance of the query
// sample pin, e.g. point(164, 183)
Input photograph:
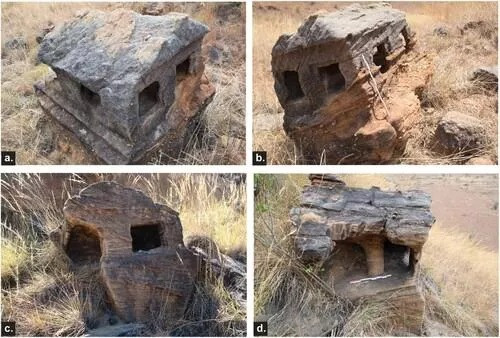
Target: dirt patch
point(466, 202)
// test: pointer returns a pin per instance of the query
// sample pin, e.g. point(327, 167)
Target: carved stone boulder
point(349, 83)
point(126, 84)
point(138, 246)
point(368, 241)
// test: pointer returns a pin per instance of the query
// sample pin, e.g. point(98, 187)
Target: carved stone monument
point(349, 83)
point(368, 241)
point(138, 246)
point(126, 83)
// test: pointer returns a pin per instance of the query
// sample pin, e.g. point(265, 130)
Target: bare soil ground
point(37, 140)
point(457, 55)
point(466, 202)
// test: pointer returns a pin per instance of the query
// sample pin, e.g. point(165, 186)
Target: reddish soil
point(466, 202)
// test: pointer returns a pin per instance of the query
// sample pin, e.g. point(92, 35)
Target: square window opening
point(397, 257)
point(145, 237)
point(332, 78)
point(292, 84)
point(148, 98)
point(89, 96)
point(379, 58)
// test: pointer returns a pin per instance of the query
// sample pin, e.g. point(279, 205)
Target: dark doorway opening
point(292, 85)
point(83, 246)
point(396, 257)
point(332, 77)
point(148, 98)
point(379, 58)
point(89, 96)
point(145, 237)
point(182, 70)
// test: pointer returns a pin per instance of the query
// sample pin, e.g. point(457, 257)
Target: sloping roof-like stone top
point(351, 25)
point(98, 48)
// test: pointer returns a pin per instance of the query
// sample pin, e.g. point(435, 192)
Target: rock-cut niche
point(84, 246)
point(145, 237)
point(148, 98)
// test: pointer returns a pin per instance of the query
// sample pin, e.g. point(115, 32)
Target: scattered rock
point(219, 55)
point(368, 242)
point(481, 160)
point(487, 29)
point(457, 132)
point(441, 31)
point(16, 43)
point(323, 80)
point(486, 77)
point(49, 27)
point(132, 82)
point(153, 8)
point(228, 12)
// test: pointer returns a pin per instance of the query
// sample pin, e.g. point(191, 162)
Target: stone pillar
point(374, 251)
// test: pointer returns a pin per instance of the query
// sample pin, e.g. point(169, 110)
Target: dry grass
point(457, 57)
point(458, 277)
point(25, 128)
point(47, 297)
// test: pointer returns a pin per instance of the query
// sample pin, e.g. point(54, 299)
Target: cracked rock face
point(138, 247)
point(327, 75)
point(125, 82)
point(368, 241)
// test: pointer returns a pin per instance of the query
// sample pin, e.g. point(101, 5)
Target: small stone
point(486, 77)
point(457, 132)
point(441, 31)
point(482, 160)
point(16, 43)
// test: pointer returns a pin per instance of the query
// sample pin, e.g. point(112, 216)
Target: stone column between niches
point(374, 251)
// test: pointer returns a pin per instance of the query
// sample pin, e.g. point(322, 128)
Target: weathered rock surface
point(486, 77)
point(457, 132)
point(323, 80)
point(138, 245)
point(16, 43)
point(368, 241)
point(126, 83)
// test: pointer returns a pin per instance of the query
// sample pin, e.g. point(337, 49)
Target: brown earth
point(465, 202)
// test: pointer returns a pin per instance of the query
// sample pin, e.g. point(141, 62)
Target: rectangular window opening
point(292, 85)
point(182, 70)
point(148, 98)
point(145, 237)
point(332, 77)
point(397, 257)
point(379, 58)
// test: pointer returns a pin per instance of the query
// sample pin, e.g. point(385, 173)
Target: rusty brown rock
point(323, 80)
point(138, 245)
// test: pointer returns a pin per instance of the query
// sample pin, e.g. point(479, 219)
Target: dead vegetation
point(296, 302)
point(47, 296)
point(458, 53)
point(219, 139)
